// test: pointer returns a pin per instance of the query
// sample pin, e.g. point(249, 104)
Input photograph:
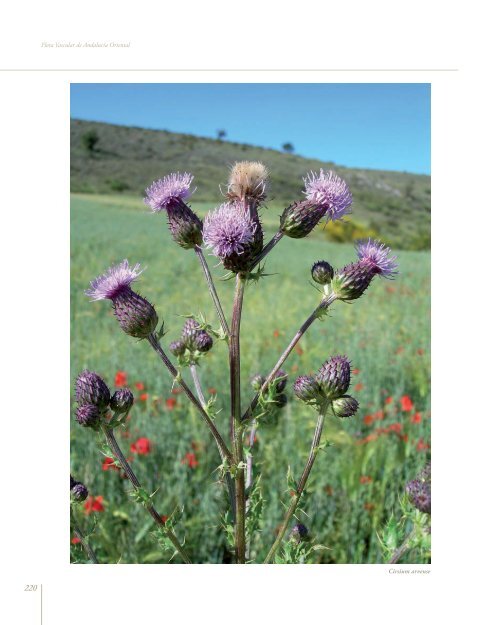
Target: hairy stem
point(267, 248)
point(112, 442)
point(405, 546)
point(325, 303)
point(153, 340)
point(212, 289)
point(236, 424)
point(301, 485)
point(227, 477)
point(83, 541)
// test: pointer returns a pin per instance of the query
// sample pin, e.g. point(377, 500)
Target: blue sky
point(377, 126)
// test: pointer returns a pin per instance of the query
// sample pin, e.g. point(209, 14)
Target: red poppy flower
point(171, 403)
point(400, 350)
point(395, 427)
point(298, 350)
point(379, 415)
point(75, 540)
point(142, 446)
point(355, 371)
point(190, 460)
point(416, 418)
point(369, 506)
point(368, 419)
point(94, 504)
point(212, 391)
point(276, 333)
point(139, 386)
point(406, 403)
point(388, 400)
point(420, 351)
point(365, 479)
point(120, 378)
point(108, 464)
point(164, 518)
point(177, 390)
point(404, 437)
point(143, 397)
point(359, 387)
point(422, 445)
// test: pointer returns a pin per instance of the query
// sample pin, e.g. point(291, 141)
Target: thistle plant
point(233, 233)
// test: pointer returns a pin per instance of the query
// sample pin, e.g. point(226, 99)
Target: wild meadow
point(355, 506)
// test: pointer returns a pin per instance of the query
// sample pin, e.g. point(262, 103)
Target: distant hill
point(127, 159)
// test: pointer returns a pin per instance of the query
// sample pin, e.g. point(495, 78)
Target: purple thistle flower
point(78, 491)
point(377, 255)
point(345, 406)
point(330, 191)
point(299, 533)
point(168, 191)
point(136, 316)
point(334, 376)
point(114, 281)
point(88, 415)
point(232, 233)
point(203, 341)
point(307, 389)
point(169, 194)
point(90, 388)
point(419, 491)
point(177, 348)
point(322, 272)
point(122, 401)
point(351, 281)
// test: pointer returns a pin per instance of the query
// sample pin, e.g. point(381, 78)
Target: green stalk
point(301, 486)
point(83, 540)
point(112, 442)
point(236, 425)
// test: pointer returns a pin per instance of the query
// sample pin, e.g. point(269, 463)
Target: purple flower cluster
point(168, 194)
point(78, 491)
point(329, 386)
point(234, 235)
point(136, 316)
point(328, 190)
point(193, 342)
point(419, 490)
point(351, 281)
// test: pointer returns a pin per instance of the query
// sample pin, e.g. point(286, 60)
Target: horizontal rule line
point(228, 70)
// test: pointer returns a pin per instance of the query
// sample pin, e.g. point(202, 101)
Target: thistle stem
point(153, 340)
point(325, 303)
point(236, 424)
point(212, 289)
point(76, 528)
point(267, 248)
point(403, 548)
point(301, 486)
point(112, 442)
point(227, 477)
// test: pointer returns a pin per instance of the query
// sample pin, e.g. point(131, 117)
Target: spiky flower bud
point(248, 180)
point(300, 218)
point(78, 491)
point(136, 316)
point(299, 533)
point(203, 341)
point(122, 401)
point(307, 389)
point(281, 378)
point(345, 406)
point(177, 348)
point(257, 381)
point(234, 234)
point(326, 195)
point(334, 377)
point(168, 194)
point(322, 272)
point(90, 388)
point(281, 400)
point(352, 281)
point(88, 415)
point(419, 490)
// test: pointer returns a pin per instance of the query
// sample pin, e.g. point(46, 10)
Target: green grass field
point(356, 484)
